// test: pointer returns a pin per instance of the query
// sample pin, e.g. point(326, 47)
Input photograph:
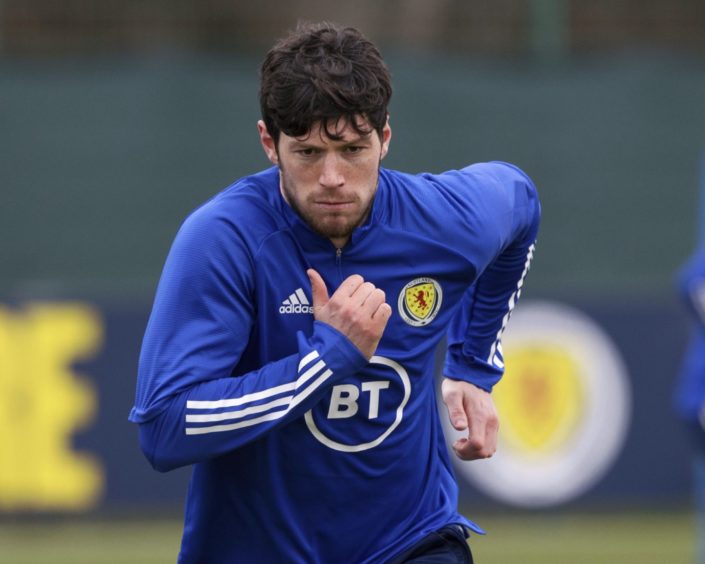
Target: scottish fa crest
point(419, 301)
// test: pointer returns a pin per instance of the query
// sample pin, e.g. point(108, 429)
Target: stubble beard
point(328, 229)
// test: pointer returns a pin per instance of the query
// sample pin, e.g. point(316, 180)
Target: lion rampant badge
point(420, 301)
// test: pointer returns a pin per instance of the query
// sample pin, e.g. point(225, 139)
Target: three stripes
point(258, 407)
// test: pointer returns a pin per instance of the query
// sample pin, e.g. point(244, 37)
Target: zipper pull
point(339, 263)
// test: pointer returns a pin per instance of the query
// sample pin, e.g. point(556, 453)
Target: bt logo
point(348, 400)
point(344, 404)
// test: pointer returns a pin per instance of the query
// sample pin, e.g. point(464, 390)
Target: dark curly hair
point(323, 73)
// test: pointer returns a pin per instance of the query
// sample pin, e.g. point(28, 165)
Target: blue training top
point(302, 450)
point(689, 396)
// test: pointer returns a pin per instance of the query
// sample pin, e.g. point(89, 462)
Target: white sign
point(564, 406)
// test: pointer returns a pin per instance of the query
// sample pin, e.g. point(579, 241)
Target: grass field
point(594, 538)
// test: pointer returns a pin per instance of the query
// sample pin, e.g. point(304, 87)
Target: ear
point(270, 148)
point(386, 138)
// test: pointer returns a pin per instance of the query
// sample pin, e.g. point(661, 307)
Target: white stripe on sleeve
point(311, 375)
point(496, 357)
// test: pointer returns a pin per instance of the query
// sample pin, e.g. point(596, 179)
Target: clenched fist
point(357, 309)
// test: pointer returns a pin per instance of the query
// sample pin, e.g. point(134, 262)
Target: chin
point(335, 232)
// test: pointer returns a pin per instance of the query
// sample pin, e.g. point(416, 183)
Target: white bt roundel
point(346, 402)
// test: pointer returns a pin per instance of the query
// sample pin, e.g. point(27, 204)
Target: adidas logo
point(296, 303)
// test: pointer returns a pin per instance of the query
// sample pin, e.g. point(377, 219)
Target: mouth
point(332, 205)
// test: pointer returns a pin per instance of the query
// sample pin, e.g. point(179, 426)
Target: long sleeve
point(216, 416)
point(189, 405)
point(474, 335)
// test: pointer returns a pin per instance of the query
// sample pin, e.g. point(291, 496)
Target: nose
point(331, 173)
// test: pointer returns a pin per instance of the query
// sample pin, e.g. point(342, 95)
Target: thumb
point(319, 292)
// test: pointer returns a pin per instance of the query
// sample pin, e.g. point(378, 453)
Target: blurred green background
point(117, 118)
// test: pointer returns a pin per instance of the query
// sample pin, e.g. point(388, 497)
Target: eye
point(354, 149)
point(307, 152)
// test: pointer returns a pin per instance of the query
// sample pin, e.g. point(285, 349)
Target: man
point(290, 352)
point(689, 396)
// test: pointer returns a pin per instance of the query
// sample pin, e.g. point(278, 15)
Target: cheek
point(370, 178)
point(295, 178)
point(303, 177)
point(363, 170)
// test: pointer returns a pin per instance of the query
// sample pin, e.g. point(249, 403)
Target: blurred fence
point(543, 28)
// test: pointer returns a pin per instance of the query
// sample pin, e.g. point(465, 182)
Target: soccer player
point(289, 356)
point(689, 396)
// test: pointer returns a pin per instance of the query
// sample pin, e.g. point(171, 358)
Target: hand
point(357, 309)
point(471, 408)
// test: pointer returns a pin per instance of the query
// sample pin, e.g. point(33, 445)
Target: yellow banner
point(43, 402)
